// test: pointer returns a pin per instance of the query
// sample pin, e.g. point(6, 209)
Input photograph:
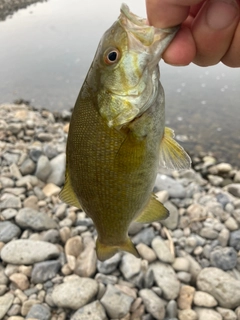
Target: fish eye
point(111, 56)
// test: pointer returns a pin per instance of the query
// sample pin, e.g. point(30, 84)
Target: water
point(46, 50)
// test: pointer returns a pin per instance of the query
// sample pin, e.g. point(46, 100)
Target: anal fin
point(172, 155)
point(154, 211)
point(67, 194)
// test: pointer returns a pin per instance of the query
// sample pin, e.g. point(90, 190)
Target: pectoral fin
point(105, 252)
point(67, 194)
point(172, 155)
point(154, 211)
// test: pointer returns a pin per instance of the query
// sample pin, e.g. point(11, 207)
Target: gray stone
point(27, 181)
point(27, 167)
point(171, 309)
point(221, 286)
point(215, 180)
point(43, 169)
point(130, 265)
point(92, 311)
point(172, 221)
point(205, 313)
point(9, 213)
point(75, 292)
point(208, 233)
point(162, 250)
point(146, 236)
point(28, 251)
point(30, 218)
point(5, 303)
point(235, 240)
point(224, 258)
point(57, 175)
point(8, 231)
point(181, 264)
point(109, 265)
point(106, 279)
point(6, 182)
point(39, 312)
point(234, 189)
point(10, 157)
point(174, 188)
point(3, 277)
point(223, 237)
point(10, 201)
point(46, 270)
point(116, 303)
point(166, 279)
point(184, 277)
point(154, 305)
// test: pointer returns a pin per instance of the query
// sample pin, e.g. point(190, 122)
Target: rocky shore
point(190, 266)
point(8, 7)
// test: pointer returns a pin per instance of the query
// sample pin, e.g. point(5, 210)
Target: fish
point(117, 138)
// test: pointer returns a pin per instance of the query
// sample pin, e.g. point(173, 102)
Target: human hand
point(210, 30)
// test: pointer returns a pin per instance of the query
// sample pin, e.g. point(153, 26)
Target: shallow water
point(46, 51)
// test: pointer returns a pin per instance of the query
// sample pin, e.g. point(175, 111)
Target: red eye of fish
point(111, 56)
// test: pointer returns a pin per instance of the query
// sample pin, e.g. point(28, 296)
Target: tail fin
point(105, 252)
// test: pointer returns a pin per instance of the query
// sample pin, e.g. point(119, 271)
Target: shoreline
point(184, 259)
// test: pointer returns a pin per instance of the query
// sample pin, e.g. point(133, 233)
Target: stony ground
point(190, 266)
point(8, 7)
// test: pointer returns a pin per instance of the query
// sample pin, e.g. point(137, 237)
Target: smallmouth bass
point(117, 137)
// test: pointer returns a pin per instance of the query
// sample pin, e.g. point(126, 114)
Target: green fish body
point(117, 136)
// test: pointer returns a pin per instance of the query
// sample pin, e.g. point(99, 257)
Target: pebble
point(24, 251)
point(74, 293)
point(235, 240)
point(204, 299)
point(30, 218)
point(227, 314)
point(221, 286)
point(146, 252)
point(46, 270)
point(234, 189)
point(86, 263)
point(204, 313)
point(109, 265)
point(153, 304)
point(57, 175)
point(91, 311)
point(51, 189)
point(162, 250)
point(20, 280)
point(116, 303)
point(185, 298)
point(8, 231)
point(43, 169)
point(40, 312)
point(146, 236)
point(224, 258)
point(187, 314)
point(130, 266)
point(172, 221)
point(5, 303)
point(174, 188)
point(9, 201)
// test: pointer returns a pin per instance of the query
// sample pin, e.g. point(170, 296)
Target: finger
point(232, 57)
point(168, 13)
point(182, 50)
point(213, 30)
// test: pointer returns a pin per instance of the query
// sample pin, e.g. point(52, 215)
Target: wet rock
point(92, 311)
point(116, 303)
point(8, 231)
point(154, 305)
point(74, 293)
point(224, 258)
point(29, 218)
point(162, 250)
point(24, 251)
point(221, 286)
point(166, 279)
point(39, 312)
point(46, 270)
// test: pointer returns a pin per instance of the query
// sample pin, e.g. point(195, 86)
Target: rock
point(9, 201)
point(5, 303)
point(195, 267)
point(185, 298)
point(146, 236)
point(166, 279)
point(8, 231)
point(181, 264)
point(24, 251)
point(29, 218)
point(235, 240)
point(215, 180)
point(227, 314)
point(46, 270)
point(223, 237)
point(204, 313)
point(116, 303)
point(20, 281)
point(51, 189)
point(39, 312)
point(9, 213)
point(187, 314)
point(237, 177)
point(154, 305)
point(162, 196)
point(208, 233)
point(106, 279)
point(172, 221)
point(109, 265)
point(204, 299)
point(231, 224)
point(57, 175)
point(27, 181)
point(6, 182)
point(130, 266)
point(162, 250)
point(86, 263)
point(43, 169)
point(74, 246)
point(74, 293)
point(184, 277)
point(27, 305)
point(171, 309)
point(92, 311)
point(223, 167)
point(174, 188)
point(27, 167)
point(146, 252)
point(234, 189)
point(31, 202)
point(221, 286)
point(224, 258)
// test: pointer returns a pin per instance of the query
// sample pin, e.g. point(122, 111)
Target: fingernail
point(221, 13)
